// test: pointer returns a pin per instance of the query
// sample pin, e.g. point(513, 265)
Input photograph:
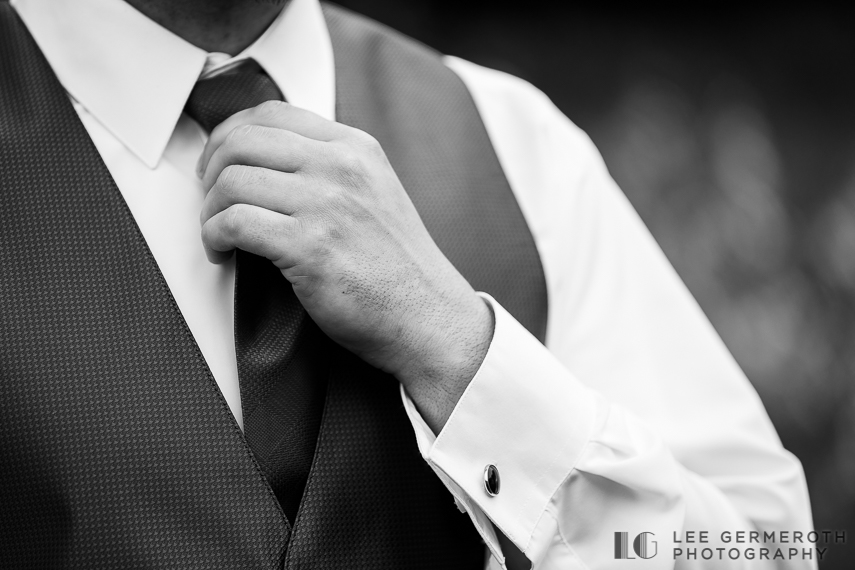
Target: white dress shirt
point(633, 418)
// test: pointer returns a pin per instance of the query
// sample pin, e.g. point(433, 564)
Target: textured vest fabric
point(117, 449)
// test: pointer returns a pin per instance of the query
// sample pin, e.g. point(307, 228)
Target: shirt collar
point(134, 76)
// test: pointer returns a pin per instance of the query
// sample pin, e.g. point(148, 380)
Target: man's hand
point(320, 200)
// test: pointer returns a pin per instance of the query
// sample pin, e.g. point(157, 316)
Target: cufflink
point(491, 480)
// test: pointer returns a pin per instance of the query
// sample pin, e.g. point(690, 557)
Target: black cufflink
point(491, 480)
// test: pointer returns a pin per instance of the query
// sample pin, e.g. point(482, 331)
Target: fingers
point(275, 115)
point(265, 166)
point(280, 192)
point(253, 229)
point(266, 147)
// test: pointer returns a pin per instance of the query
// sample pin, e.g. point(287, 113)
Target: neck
point(227, 26)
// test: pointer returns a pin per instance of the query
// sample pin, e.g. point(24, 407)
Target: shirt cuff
point(524, 413)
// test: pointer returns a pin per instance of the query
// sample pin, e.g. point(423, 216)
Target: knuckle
point(326, 156)
point(271, 108)
point(235, 220)
point(368, 142)
point(350, 164)
point(322, 238)
point(235, 135)
point(232, 178)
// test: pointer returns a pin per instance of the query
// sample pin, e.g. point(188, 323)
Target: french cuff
point(524, 414)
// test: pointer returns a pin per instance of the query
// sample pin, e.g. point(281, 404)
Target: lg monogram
point(643, 546)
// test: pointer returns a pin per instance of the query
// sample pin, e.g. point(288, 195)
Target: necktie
point(281, 367)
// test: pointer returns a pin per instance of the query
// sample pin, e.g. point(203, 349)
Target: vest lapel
point(371, 501)
point(118, 448)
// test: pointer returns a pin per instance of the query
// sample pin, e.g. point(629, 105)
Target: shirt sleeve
point(633, 418)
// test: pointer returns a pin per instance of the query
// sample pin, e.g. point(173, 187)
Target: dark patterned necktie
point(279, 349)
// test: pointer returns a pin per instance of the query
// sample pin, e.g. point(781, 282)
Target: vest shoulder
point(505, 99)
point(529, 132)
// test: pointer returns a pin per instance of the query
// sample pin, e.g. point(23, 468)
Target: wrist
point(448, 358)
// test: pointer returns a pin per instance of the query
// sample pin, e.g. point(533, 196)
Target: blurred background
point(731, 128)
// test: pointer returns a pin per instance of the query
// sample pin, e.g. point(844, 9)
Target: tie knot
point(214, 100)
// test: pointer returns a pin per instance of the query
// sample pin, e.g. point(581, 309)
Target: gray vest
point(117, 449)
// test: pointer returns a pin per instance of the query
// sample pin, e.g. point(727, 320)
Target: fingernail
point(199, 171)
